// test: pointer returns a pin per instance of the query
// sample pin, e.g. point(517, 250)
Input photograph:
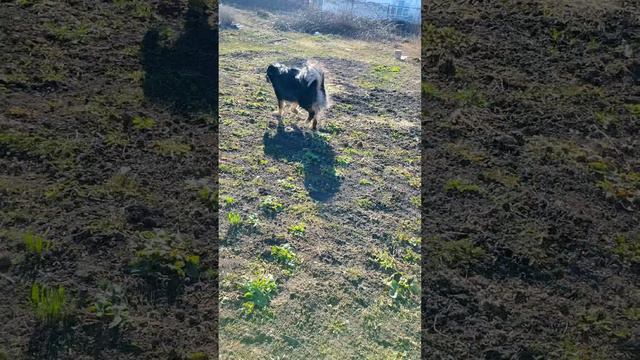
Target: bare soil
point(531, 180)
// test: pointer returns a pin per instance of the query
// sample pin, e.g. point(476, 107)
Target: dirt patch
point(529, 169)
point(98, 161)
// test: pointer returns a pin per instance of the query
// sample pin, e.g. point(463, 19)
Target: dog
point(302, 87)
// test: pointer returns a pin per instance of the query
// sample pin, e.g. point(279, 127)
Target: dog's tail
point(316, 78)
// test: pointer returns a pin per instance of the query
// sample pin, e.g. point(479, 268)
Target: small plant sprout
point(284, 255)
point(402, 287)
point(36, 244)
point(234, 219)
point(258, 293)
point(111, 304)
point(48, 304)
point(297, 230)
point(254, 222)
point(271, 205)
point(384, 260)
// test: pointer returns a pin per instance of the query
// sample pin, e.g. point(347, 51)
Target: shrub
point(271, 4)
point(310, 21)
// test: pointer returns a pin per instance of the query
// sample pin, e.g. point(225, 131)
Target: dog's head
point(274, 70)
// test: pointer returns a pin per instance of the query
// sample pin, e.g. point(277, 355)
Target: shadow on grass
point(313, 152)
point(184, 74)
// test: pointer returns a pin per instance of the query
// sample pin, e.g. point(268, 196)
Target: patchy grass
point(49, 304)
point(323, 201)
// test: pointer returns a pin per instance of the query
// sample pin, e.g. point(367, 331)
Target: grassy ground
point(107, 147)
point(531, 180)
point(316, 226)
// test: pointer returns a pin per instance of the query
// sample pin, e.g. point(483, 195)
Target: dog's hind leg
point(280, 108)
point(312, 116)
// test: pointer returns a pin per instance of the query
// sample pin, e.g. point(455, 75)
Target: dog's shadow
point(184, 74)
point(313, 152)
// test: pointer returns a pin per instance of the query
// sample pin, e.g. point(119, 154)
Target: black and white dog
point(302, 87)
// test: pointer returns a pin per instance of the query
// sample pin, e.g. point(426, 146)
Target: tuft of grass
point(598, 166)
point(142, 123)
point(471, 97)
point(48, 304)
point(60, 152)
point(171, 148)
point(500, 176)
point(343, 160)
point(297, 230)
point(459, 186)
point(460, 252)
point(258, 293)
point(198, 356)
point(235, 219)
point(365, 203)
point(36, 244)
point(633, 109)
point(66, 33)
point(208, 197)
point(627, 249)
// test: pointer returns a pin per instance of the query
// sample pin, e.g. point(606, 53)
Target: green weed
point(384, 260)
point(460, 252)
point(235, 219)
point(365, 203)
point(36, 244)
point(459, 186)
point(471, 97)
point(164, 260)
point(258, 293)
point(66, 33)
point(198, 356)
point(111, 304)
point(633, 109)
point(297, 230)
point(284, 255)
point(49, 304)
point(271, 205)
point(208, 197)
point(171, 148)
point(142, 123)
point(402, 287)
point(627, 248)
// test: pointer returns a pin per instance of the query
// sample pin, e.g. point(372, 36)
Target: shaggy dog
point(302, 87)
